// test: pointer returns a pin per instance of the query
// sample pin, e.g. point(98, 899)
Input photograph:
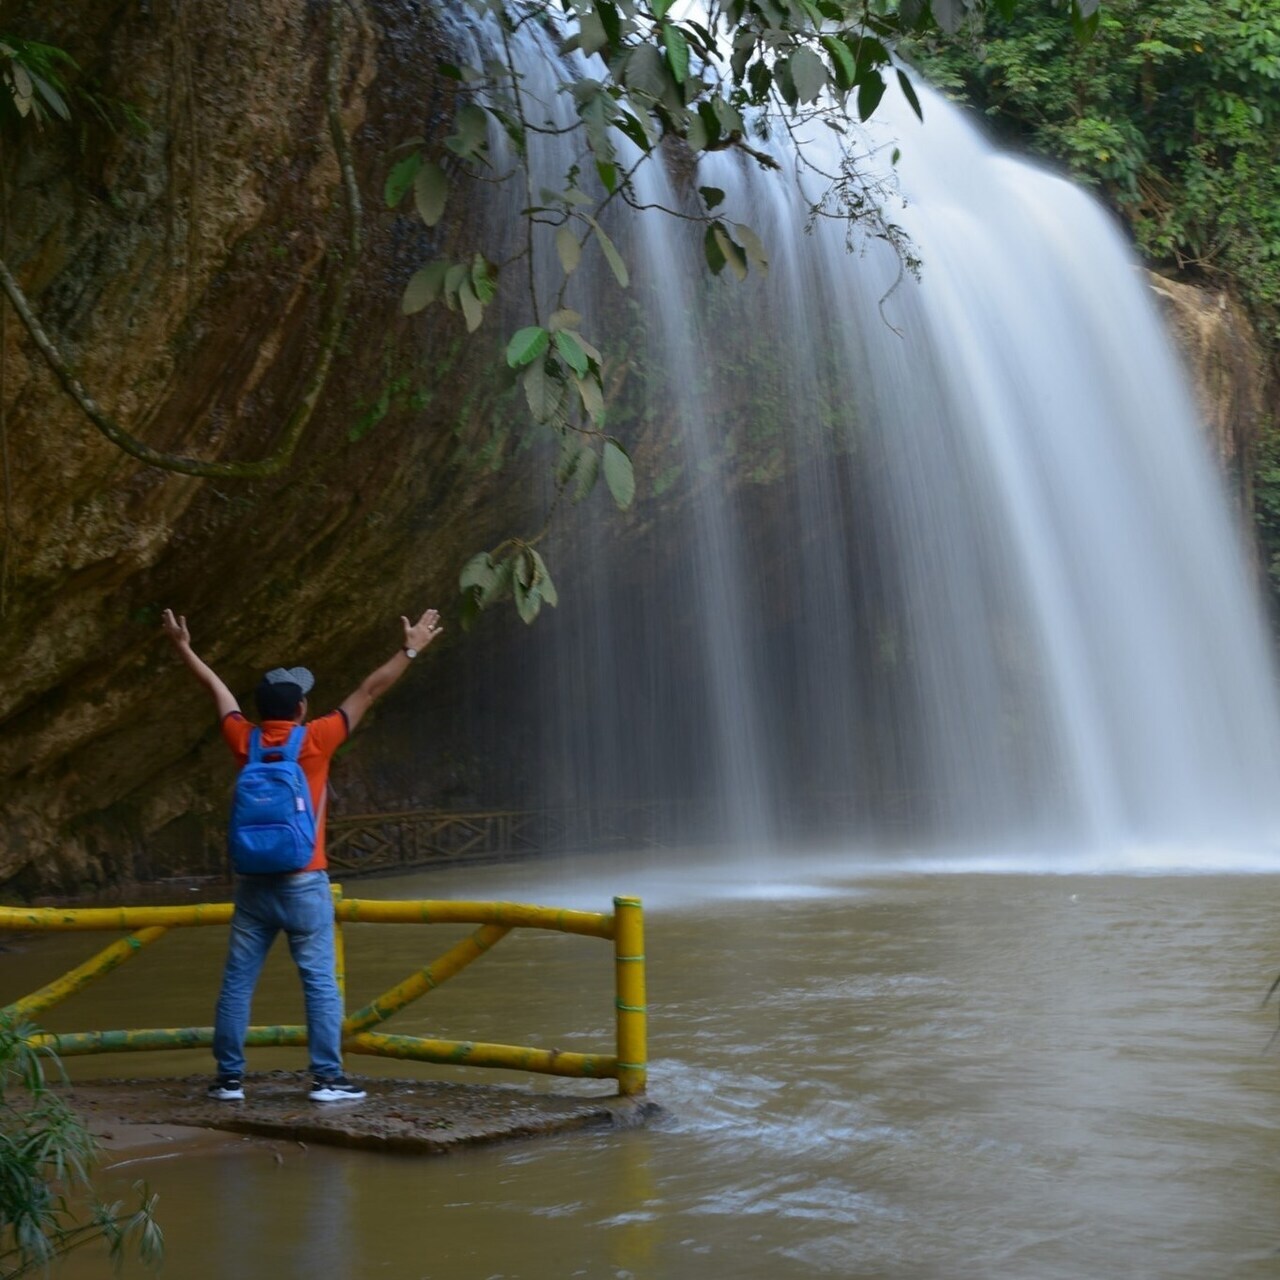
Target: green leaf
point(715, 255)
point(608, 172)
point(760, 78)
point(870, 55)
point(453, 279)
point(948, 14)
point(633, 127)
point(677, 51)
point(710, 122)
point(458, 71)
point(646, 71)
point(731, 252)
point(596, 116)
point(586, 471)
point(568, 248)
point(424, 287)
point(55, 100)
point(843, 67)
point(909, 92)
point(22, 87)
point(479, 572)
point(472, 307)
point(809, 74)
point(612, 20)
point(527, 345)
point(753, 245)
point(542, 580)
point(472, 134)
point(573, 354)
point(522, 569)
point(592, 397)
point(587, 347)
point(484, 279)
point(612, 256)
point(711, 196)
point(1085, 18)
point(619, 475)
point(564, 319)
point(695, 133)
point(528, 605)
point(727, 115)
point(401, 178)
point(571, 451)
point(502, 587)
point(660, 8)
point(870, 91)
point(544, 393)
point(528, 596)
point(430, 190)
point(592, 36)
point(469, 608)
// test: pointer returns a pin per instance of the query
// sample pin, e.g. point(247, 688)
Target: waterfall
point(940, 561)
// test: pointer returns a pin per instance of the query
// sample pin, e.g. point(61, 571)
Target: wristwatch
point(410, 653)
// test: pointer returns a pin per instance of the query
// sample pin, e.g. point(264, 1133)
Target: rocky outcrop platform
point(136, 1119)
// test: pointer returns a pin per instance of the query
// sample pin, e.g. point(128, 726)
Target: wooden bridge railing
point(421, 837)
point(359, 843)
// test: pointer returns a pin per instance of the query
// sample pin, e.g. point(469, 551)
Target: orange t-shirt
point(323, 737)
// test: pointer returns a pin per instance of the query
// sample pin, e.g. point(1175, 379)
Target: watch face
point(410, 653)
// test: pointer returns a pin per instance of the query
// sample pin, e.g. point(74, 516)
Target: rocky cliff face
point(1229, 371)
point(186, 267)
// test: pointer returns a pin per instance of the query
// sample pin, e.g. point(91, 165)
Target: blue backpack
point(273, 826)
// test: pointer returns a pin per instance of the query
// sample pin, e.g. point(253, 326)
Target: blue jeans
point(302, 906)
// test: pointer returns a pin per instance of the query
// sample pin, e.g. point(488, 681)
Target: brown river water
point(862, 1075)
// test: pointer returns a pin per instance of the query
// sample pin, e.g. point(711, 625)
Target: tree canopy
point(1172, 110)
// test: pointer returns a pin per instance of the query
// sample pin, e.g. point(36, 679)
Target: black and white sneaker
point(335, 1089)
point(227, 1089)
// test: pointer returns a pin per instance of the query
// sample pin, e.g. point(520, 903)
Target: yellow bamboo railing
point(146, 925)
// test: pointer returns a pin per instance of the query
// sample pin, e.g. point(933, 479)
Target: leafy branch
point(646, 80)
point(46, 1152)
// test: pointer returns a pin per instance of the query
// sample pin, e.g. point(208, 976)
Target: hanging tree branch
point(332, 330)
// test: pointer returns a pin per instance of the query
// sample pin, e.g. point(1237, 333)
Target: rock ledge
point(136, 1119)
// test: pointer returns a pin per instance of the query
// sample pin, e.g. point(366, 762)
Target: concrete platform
point(142, 1119)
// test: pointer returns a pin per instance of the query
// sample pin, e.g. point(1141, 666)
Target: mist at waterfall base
point(938, 571)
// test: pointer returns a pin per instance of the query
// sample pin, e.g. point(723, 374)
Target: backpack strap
point(287, 750)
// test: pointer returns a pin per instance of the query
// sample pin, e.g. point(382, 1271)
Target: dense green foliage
point(1172, 109)
point(45, 1158)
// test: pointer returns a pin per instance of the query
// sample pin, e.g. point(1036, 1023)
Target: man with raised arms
point(297, 903)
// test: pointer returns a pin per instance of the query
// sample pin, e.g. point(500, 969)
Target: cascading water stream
point(944, 558)
point(1092, 515)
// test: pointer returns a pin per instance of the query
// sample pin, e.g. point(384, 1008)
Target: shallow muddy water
point(909, 1075)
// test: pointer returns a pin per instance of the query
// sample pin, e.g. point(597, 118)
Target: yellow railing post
point(628, 954)
point(339, 948)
